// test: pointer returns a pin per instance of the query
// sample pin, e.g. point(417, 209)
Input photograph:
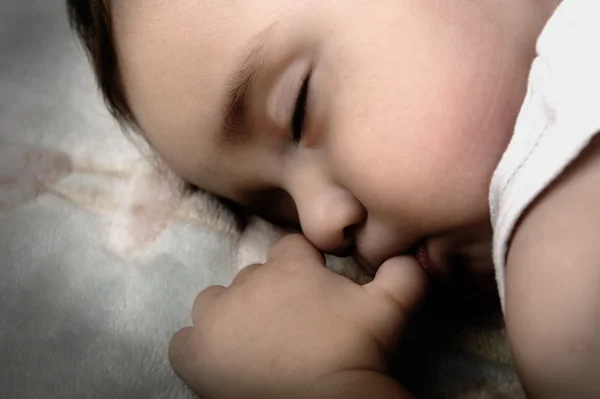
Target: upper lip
point(422, 251)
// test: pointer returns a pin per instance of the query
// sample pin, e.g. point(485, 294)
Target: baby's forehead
point(187, 49)
point(177, 61)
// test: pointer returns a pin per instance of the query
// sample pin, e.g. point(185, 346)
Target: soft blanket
point(102, 253)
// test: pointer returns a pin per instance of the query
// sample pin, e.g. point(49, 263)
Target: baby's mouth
point(428, 262)
point(418, 251)
point(421, 251)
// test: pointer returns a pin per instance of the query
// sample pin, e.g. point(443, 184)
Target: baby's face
point(374, 124)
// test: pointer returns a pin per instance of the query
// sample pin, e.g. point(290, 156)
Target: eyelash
point(300, 112)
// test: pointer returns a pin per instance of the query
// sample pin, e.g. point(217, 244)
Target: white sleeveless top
point(559, 117)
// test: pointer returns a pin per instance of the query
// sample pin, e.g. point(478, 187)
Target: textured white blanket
point(101, 256)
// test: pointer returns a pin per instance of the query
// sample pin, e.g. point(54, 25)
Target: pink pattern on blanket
point(151, 198)
point(26, 170)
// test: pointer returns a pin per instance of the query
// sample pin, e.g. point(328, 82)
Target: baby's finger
point(205, 300)
point(244, 274)
point(402, 279)
point(295, 246)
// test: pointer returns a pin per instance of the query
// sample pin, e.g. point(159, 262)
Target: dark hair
point(92, 21)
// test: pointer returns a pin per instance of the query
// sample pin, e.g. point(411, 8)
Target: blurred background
point(82, 314)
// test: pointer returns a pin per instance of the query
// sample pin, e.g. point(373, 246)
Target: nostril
point(349, 236)
point(346, 247)
point(349, 233)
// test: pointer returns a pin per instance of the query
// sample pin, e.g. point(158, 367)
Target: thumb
point(404, 280)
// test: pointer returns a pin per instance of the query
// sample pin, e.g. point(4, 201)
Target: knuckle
point(210, 291)
point(204, 296)
point(293, 246)
point(244, 274)
point(178, 346)
point(289, 240)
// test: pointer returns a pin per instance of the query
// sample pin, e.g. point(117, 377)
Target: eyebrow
point(238, 88)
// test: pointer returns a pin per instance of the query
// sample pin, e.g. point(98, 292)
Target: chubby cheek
point(432, 165)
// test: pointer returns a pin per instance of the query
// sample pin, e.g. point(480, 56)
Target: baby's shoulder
point(552, 280)
point(555, 129)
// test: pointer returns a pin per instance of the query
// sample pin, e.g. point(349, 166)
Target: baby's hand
point(292, 328)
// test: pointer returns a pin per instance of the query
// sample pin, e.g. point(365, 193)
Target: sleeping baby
point(409, 134)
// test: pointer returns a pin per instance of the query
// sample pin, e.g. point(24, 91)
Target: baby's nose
point(330, 222)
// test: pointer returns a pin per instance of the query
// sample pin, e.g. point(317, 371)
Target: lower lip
point(422, 256)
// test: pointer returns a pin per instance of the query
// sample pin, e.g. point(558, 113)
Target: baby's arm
point(553, 286)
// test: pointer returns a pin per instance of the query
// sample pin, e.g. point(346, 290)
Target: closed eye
point(300, 112)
